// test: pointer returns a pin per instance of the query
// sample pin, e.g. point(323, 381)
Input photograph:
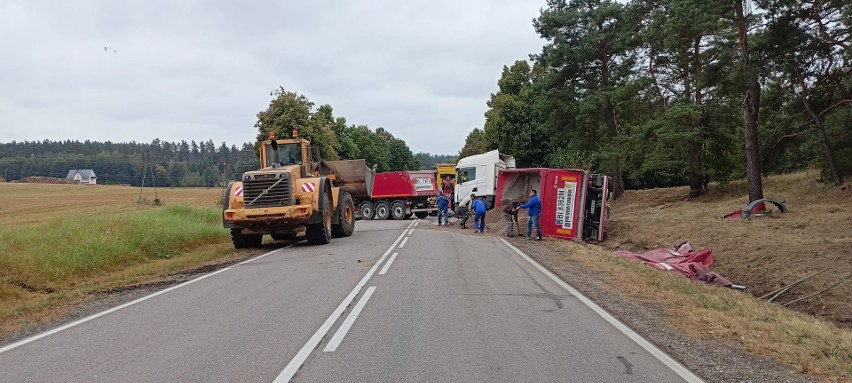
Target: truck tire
point(245, 241)
point(382, 210)
point(368, 211)
point(346, 220)
point(421, 214)
point(398, 210)
point(320, 233)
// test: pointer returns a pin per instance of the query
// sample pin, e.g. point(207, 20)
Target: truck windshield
point(288, 154)
point(466, 174)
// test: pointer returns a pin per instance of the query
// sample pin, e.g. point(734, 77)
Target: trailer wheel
point(398, 210)
point(346, 224)
point(245, 241)
point(368, 211)
point(421, 214)
point(382, 210)
point(320, 233)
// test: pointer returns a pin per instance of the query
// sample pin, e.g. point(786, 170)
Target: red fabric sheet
point(692, 264)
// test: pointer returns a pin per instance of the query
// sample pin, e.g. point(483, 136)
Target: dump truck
point(293, 195)
point(399, 195)
point(574, 202)
point(445, 174)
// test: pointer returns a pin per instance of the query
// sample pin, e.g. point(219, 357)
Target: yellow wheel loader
point(292, 195)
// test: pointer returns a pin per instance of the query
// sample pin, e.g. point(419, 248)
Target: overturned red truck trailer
point(399, 195)
point(573, 202)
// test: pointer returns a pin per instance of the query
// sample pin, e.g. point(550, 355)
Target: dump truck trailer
point(293, 195)
point(399, 195)
point(574, 203)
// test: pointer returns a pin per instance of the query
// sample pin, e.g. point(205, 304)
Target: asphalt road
point(399, 301)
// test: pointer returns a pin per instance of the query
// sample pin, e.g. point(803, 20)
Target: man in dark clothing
point(510, 213)
point(465, 208)
point(479, 217)
point(534, 206)
point(443, 203)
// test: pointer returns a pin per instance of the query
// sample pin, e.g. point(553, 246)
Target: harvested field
point(28, 204)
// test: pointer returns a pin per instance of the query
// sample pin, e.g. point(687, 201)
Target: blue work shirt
point(534, 204)
point(479, 206)
point(442, 202)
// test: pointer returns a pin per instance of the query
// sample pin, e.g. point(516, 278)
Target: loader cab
point(287, 152)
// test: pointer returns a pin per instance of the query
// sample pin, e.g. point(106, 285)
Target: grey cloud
point(203, 69)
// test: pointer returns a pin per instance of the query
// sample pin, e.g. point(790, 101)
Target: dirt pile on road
point(762, 253)
point(45, 180)
point(495, 223)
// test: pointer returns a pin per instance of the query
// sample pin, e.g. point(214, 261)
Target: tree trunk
point(611, 123)
point(696, 147)
point(829, 155)
point(751, 108)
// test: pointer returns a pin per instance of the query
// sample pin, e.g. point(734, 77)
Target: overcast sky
point(191, 69)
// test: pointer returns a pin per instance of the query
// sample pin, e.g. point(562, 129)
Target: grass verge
point(61, 261)
point(811, 345)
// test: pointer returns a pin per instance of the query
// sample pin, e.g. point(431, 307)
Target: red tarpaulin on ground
point(684, 260)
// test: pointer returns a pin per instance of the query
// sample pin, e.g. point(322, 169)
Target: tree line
point(173, 163)
point(331, 135)
point(179, 164)
point(662, 93)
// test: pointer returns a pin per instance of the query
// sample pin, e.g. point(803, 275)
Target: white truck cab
point(477, 175)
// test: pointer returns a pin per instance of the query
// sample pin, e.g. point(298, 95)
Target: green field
point(61, 243)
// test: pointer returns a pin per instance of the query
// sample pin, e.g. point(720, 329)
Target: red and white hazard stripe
point(239, 191)
point(308, 187)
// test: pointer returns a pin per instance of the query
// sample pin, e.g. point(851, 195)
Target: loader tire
point(346, 222)
point(421, 214)
point(320, 233)
point(398, 210)
point(245, 241)
point(382, 210)
point(368, 211)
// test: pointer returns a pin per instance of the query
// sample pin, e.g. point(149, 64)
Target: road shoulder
point(714, 359)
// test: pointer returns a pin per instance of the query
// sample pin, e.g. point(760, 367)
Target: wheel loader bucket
point(354, 175)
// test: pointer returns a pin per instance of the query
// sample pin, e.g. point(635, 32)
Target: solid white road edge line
point(128, 304)
point(644, 343)
point(388, 264)
point(404, 241)
point(347, 323)
point(293, 366)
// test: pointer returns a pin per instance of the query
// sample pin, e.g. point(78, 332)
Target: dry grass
point(761, 253)
point(62, 243)
point(810, 345)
